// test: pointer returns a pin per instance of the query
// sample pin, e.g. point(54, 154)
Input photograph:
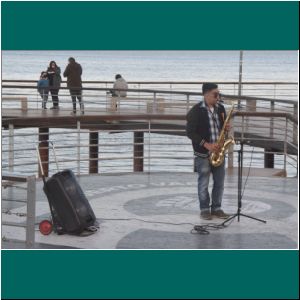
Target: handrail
point(141, 116)
point(167, 82)
point(278, 137)
point(187, 93)
point(14, 177)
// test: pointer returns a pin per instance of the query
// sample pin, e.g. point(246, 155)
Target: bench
point(23, 100)
point(115, 103)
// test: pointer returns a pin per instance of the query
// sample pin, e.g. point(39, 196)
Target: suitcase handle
point(40, 160)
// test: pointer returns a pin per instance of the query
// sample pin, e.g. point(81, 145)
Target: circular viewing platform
point(158, 211)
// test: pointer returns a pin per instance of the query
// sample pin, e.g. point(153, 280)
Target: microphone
point(220, 98)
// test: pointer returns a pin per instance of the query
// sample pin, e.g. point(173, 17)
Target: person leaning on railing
point(204, 123)
point(54, 77)
point(121, 84)
point(119, 90)
point(73, 73)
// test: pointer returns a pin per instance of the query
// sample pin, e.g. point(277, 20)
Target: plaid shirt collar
point(214, 122)
point(204, 105)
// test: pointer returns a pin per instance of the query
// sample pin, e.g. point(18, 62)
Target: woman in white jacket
point(121, 84)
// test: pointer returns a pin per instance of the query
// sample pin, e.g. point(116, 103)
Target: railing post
point(240, 78)
point(139, 95)
point(78, 147)
point(149, 144)
point(231, 148)
point(187, 102)
point(272, 120)
point(268, 158)
point(106, 101)
point(94, 150)
point(44, 150)
point(285, 143)
point(297, 166)
point(11, 153)
point(31, 202)
point(250, 106)
point(295, 126)
point(242, 133)
point(154, 103)
point(138, 151)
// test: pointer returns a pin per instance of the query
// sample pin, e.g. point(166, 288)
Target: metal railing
point(268, 89)
point(15, 185)
point(148, 145)
point(262, 121)
point(97, 98)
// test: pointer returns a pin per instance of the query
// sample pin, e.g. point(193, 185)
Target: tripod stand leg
point(250, 217)
point(243, 215)
point(238, 214)
point(230, 218)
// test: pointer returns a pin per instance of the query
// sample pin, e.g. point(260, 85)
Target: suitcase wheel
point(45, 227)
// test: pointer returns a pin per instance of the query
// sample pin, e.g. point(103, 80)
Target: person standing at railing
point(54, 77)
point(121, 84)
point(73, 73)
point(204, 123)
point(43, 88)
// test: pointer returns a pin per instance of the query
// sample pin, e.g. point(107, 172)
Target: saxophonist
point(204, 123)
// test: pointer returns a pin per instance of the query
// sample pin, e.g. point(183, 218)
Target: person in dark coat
point(73, 73)
point(53, 74)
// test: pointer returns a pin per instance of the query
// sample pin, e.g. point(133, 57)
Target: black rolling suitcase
point(70, 210)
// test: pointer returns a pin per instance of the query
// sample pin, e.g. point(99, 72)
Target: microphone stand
point(238, 214)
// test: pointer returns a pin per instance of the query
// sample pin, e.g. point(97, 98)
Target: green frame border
point(183, 25)
point(85, 274)
point(150, 26)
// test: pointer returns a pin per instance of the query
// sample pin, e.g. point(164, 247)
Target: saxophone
point(217, 158)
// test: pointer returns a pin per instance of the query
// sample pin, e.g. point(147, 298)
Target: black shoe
point(205, 215)
point(219, 214)
point(54, 107)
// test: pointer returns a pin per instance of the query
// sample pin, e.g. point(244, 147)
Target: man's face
point(212, 96)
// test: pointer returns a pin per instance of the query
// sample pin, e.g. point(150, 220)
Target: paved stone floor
point(139, 211)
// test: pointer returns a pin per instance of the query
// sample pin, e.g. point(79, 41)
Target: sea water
point(196, 66)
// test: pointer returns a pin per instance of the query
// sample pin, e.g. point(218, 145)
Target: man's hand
point(211, 147)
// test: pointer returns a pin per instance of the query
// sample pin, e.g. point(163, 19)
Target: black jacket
point(54, 78)
point(198, 128)
point(73, 73)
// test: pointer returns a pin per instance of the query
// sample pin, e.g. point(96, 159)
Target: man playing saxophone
point(205, 122)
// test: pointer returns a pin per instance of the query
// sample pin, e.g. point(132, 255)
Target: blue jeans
point(204, 169)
